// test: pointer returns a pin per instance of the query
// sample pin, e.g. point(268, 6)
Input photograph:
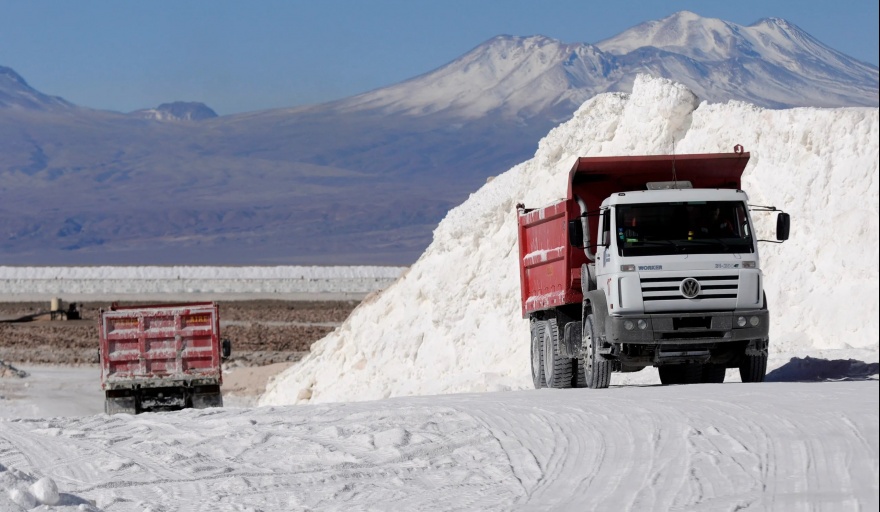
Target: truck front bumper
point(689, 328)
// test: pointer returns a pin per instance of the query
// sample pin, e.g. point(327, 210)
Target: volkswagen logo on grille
point(690, 288)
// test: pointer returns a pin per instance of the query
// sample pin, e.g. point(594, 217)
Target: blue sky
point(240, 56)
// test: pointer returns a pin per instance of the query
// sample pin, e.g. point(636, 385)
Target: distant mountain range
point(363, 180)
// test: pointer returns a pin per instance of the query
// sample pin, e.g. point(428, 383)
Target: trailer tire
point(557, 368)
point(537, 332)
point(597, 369)
point(753, 368)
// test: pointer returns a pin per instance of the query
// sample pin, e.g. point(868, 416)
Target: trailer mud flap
point(207, 396)
point(120, 405)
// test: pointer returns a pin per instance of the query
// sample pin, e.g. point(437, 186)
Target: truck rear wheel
point(537, 331)
point(581, 377)
point(597, 369)
point(753, 368)
point(557, 368)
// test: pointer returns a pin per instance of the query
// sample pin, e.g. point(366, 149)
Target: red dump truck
point(161, 357)
point(648, 261)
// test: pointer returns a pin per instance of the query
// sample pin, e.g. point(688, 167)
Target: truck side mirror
point(783, 225)
point(226, 348)
point(575, 233)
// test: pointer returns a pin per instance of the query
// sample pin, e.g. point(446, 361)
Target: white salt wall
point(30, 283)
point(452, 323)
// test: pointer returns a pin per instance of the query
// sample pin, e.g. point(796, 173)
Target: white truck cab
point(678, 268)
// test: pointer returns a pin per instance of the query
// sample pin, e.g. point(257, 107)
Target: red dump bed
point(160, 345)
point(550, 268)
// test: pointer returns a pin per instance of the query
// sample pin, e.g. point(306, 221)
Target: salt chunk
point(46, 491)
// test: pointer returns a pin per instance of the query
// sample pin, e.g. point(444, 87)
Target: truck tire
point(670, 374)
point(557, 368)
point(581, 377)
point(597, 369)
point(713, 374)
point(537, 331)
point(753, 368)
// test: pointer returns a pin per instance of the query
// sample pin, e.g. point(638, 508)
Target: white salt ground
point(452, 322)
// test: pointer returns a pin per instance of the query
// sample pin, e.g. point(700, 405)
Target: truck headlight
point(629, 325)
point(642, 324)
point(741, 321)
point(754, 321)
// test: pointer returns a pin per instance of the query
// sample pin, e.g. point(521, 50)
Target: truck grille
point(670, 288)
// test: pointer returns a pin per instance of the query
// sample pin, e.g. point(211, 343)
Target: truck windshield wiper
point(657, 242)
point(710, 241)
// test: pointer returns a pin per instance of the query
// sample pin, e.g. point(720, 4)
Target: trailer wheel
point(753, 368)
point(597, 369)
point(557, 368)
point(537, 331)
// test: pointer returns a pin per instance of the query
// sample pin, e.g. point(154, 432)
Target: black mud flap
point(120, 405)
point(207, 396)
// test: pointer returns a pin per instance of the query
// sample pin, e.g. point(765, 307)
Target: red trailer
point(161, 357)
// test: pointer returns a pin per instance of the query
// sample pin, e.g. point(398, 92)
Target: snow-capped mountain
point(514, 76)
point(771, 63)
point(15, 93)
point(363, 179)
point(177, 111)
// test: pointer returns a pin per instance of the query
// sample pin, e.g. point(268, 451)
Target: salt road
point(769, 446)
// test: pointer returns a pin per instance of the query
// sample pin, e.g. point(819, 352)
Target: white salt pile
point(452, 323)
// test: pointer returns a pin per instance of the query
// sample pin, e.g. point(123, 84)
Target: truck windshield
point(704, 227)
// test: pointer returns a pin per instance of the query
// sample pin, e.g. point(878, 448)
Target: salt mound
point(452, 322)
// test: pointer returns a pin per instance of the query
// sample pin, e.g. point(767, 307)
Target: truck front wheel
point(597, 369)
point(537, 330)
point(753, 368)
